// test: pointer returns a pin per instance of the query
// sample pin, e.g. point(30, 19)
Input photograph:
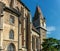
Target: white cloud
point(48, 32)
point(50, 29)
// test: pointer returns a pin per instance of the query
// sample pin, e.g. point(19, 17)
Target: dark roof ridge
point(33, 28)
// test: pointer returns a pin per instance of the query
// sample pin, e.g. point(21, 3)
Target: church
point(17, 31)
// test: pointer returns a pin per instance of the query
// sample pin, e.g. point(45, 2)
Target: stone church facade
point(17, 32)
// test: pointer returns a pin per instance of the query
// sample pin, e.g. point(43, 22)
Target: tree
point(58, 45)
point(49, 44)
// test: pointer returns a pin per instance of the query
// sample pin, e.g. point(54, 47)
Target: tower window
point(11, 34)
point(11, 19)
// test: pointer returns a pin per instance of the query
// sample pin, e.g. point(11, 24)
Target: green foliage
point(51, 44)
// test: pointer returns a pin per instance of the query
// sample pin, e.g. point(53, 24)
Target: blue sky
point(51, 11)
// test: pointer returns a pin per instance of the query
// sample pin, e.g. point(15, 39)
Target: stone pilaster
point(38, 44)
point(34, 43)
point(29, 42)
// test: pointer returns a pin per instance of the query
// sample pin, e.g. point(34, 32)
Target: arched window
point(11, 34)
point(11, 47)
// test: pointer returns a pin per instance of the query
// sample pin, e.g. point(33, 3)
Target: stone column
point(38, 44)
point(1, 40)
point(29, 32)
point(29, 42)
point(34, 43)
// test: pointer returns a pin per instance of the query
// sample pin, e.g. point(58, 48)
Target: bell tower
point(39, 23)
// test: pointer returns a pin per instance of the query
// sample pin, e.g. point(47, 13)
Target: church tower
point(39, 23)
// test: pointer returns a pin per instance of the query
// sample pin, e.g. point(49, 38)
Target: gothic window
point(11, 34)
point(11, 19)
point(11, 47)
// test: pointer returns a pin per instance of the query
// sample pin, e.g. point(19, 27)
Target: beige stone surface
point(22, 34)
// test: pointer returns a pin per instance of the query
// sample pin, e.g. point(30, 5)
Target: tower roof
point(38, 9)
point(37, 13)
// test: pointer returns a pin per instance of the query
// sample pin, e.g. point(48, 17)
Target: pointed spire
point(38, 9)
point(37, 13)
